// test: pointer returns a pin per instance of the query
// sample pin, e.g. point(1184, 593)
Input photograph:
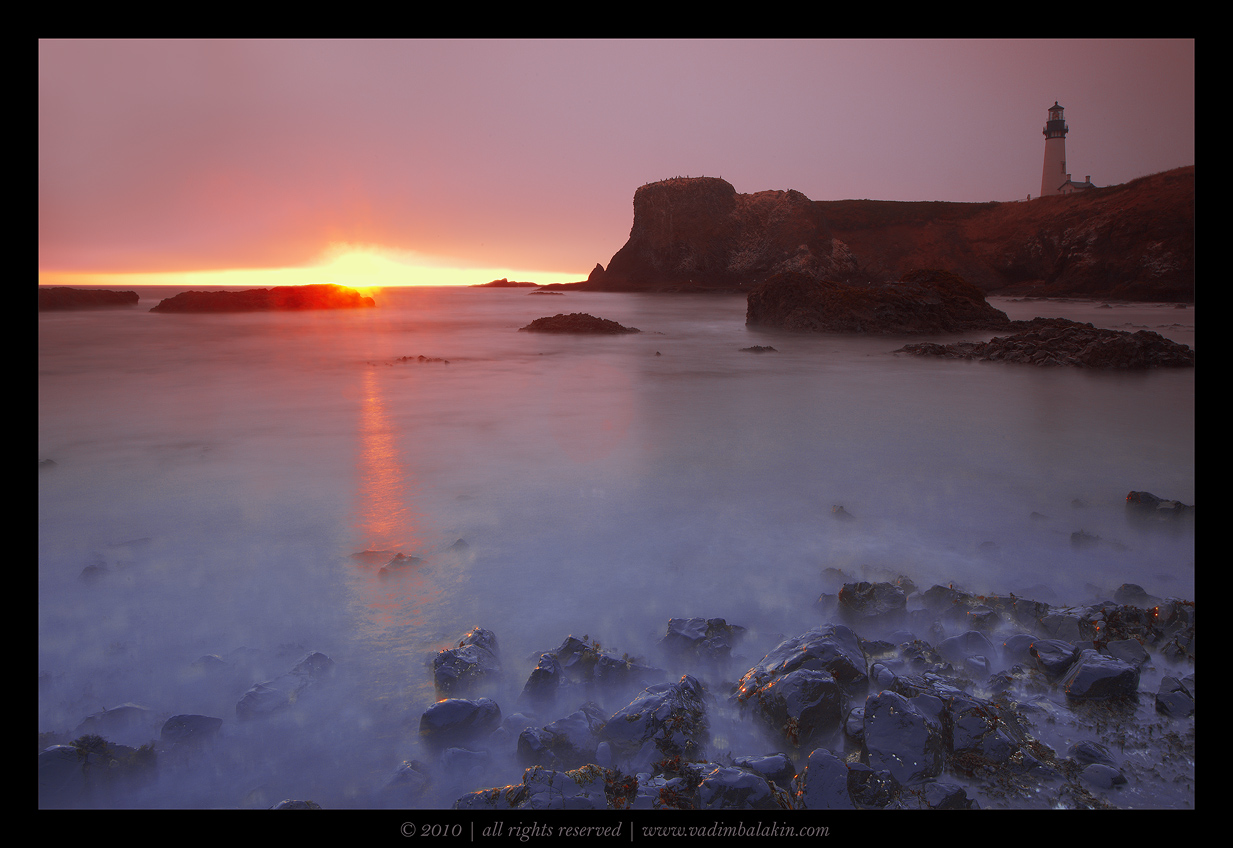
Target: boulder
point(1145, 506)
point(706, 639)
point(472, 664)
point(823, 783)
point(457, 720)
point(736, 788)
point(189, 729)
point(279, 298)
point(833, 648)
point(665, 725)
point(1096, 676)
point(873, 600)
point(276, 695)
point(1175, 698)
point(902, 739)
point(567, 743)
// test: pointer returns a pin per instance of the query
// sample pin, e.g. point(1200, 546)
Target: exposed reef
point(922, 302)
point(285, 298)
point(1060, 342)
point(577, 322)
point(64, 298)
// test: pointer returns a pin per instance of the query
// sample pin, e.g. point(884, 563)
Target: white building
point(1054, 177)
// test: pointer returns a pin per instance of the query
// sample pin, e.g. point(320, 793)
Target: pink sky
point(196, 155)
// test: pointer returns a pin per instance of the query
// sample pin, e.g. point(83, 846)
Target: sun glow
point(362, 267)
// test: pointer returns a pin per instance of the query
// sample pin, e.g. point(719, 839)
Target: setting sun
point(362, 267)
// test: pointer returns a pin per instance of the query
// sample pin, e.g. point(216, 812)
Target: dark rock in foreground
point(577, 322)
point(922, 302)
point(1058, 341)
point(279, 298)
point(56, 299)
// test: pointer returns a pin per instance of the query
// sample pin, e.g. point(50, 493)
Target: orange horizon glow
point(362, 267)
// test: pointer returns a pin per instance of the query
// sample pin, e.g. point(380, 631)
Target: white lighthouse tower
point(1054, 174)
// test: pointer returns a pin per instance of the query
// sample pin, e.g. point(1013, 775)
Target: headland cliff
point(1133, 241)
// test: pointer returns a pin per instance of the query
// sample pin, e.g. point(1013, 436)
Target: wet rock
point(276, 695)
point(1175, 698)
point(948, 796)
point(801, 706)
point(959, 648)
point(980, 728)
point(833, 648)
point(707, 639)
point(457, 720)
point(588, 666)
point(410, 782)
point(400, 564)
point(777, 768)
point(1133, 594)
point(823, 783)
point(735, 788)
point(567, 743)
point(1102, 776)
point(902, 739)
point(665, 724)
point(471, 665)
point(588, 788)
point(1087, 752)
point(128, 724)
point(1097, 676)
point(1148, 507)
point(873, 600)
point(870, 788)
point(545, 681)
point(1054, 656)
point(1129, 651)
point(189, 729)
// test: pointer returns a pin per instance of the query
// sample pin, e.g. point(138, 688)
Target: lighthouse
point(1054, 174)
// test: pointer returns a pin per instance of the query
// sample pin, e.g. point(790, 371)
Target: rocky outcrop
point(577, 322)
point(1058, 341)
point(289, 298)
point(1133, 241)
point(64, 298)
point(922, 302)
point(699, 233)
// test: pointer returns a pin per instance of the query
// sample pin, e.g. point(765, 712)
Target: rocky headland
point(285, 298)
point(1133, 241)
point(64, 298)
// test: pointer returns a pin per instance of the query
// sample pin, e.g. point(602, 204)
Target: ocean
point(218, 474)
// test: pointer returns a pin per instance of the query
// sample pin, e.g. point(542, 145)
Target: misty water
point(224, 469)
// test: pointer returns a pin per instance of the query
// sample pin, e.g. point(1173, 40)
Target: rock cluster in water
point(64, 298)
point(576, 322)
point(898, 699)
point(1049, 342)
point(279, 298)
point(922, 302)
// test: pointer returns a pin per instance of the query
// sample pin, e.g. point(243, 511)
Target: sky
point(404, 162)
